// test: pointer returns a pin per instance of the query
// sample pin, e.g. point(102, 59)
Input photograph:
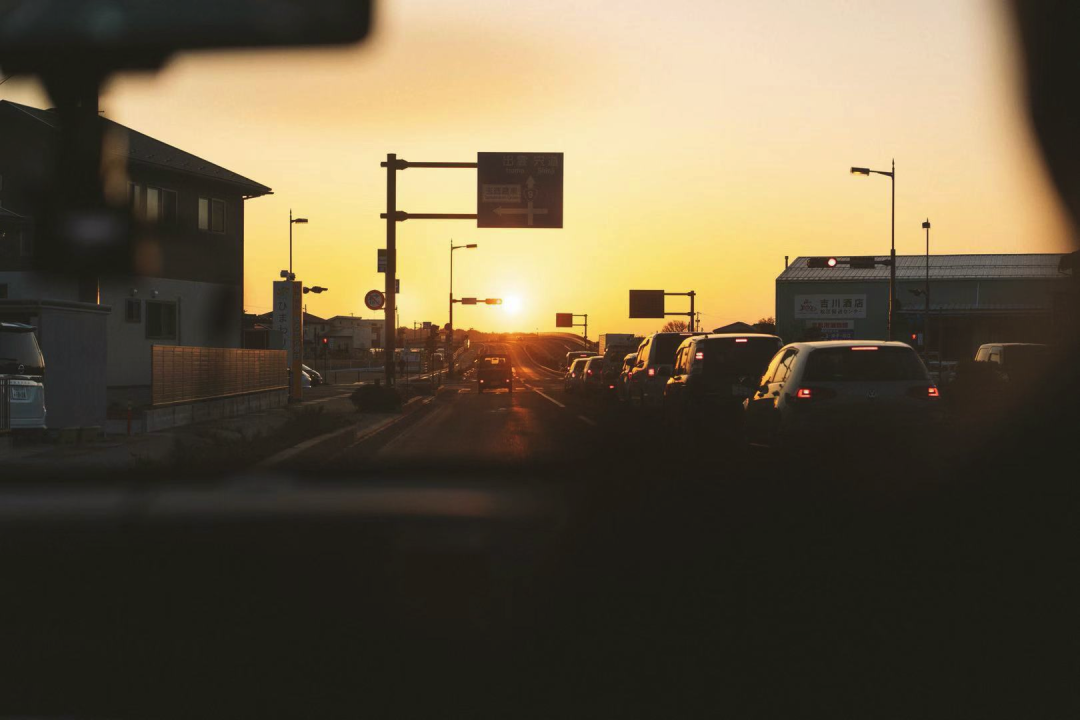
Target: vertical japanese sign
point(289, 321)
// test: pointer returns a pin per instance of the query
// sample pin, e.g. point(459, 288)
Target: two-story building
point(188, 284)
point(351, 335)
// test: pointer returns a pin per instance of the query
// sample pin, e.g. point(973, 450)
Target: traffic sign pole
point(389, 334)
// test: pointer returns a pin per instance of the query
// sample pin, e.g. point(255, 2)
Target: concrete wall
point(177, 415)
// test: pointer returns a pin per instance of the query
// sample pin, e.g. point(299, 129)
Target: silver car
point(23, 368)
point(841, 392)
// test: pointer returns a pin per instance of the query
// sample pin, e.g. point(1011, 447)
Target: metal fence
point(184, 374)
point(5, 406)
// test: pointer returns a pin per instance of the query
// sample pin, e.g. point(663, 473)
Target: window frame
point(128, 315)
point(175, 321)
point(787, 362)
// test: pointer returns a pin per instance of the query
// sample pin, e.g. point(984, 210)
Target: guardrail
point(5, 406)
point(186, 374)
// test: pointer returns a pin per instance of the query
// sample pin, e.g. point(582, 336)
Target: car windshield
point(737, 356)
point(19, 353)
point(855, 364)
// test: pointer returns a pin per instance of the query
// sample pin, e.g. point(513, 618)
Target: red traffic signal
point(325, 340)
point(821, 262)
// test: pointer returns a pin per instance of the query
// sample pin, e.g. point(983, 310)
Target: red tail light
point(699, 355)
point(814, 393)
point(589, 373)
point(865, 347)
point(932, 392)
point(924, 392)
point(741, 340)
point(611, 387)
point(652, 371)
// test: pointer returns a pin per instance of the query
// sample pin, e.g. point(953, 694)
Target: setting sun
point(512, 305)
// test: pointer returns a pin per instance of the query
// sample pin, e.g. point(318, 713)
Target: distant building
point(188, 288)
point(349, 334)
point(974, 299)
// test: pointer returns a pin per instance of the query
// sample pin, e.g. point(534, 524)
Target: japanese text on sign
point(830, 306)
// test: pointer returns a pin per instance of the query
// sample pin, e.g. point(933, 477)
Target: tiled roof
point(942, 267)
point(145, 149)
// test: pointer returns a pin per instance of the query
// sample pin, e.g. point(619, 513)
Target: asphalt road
point(534, 423)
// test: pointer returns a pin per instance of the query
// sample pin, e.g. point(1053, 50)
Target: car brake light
point(589, 373)
point(741, 340)
point(481, 382)
point(611, 387)
point(932, 392)
point(652, 371)
point(699, 355)
point(804, 393)
point(865, 347)
point(922, 391)
point(816, 394)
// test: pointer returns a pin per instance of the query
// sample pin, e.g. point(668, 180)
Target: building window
point(136, 200)
point(212, 215)
point(160, 206)
point(160, 320)
point(133, 310)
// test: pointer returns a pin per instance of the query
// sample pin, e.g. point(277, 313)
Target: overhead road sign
point(564, 320)
point(519, 190)
point(646, 303)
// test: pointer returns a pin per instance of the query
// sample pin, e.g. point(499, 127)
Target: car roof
point(819, 344)
point(15, 327)
point(1012, 344)
point(724, 336)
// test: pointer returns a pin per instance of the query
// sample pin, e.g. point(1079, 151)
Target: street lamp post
point(450, 330)
point(891, 174)
point(926, 291)
point(301, 221)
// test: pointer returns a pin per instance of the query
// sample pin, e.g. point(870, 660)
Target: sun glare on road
point(512, 305)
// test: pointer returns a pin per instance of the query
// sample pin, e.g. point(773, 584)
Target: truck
point(614, 347)
point(608, 340)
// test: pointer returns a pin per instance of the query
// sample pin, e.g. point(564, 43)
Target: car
point(315, 377)
point(22, 366)
point(494, 371)
point(574, 355)
point(842, 392)
point(713, 374)
point(571, 381)
point(623, 383)
point(655, 357)
point(592, 378)
point(1017, 363)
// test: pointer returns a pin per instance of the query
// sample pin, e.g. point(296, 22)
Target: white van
point(23, 368)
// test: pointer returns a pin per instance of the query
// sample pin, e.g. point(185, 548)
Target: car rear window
point(742, 356)
point(845, 364)
point(19, 353)
point(493, 361)
point(664, 347)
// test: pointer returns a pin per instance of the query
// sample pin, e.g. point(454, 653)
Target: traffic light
point(494, 301)
point(863, 263)
point(821, 262)
point(325, 341)
point(315, 290)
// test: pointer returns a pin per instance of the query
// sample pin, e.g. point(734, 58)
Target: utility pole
point(926, 291)
point(391, 265)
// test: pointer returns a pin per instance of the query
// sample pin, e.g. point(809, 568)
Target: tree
point(674, 326)
point(766, 325)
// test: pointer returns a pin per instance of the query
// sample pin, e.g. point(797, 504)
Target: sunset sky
point(703, 142)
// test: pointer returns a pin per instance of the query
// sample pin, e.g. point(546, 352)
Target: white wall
point(208, 315)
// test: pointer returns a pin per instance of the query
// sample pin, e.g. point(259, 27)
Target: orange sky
point(703, 142)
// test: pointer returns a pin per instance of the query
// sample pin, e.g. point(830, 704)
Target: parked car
point(494, 371)
point(840, 392)
point(592, 379)
point(713, 374)
point(23, 367)
point(305, 380)
point(623, 383)
point(315, 377)
point(655, 357)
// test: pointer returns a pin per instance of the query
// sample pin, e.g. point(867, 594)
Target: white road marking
point(546, 397)
point(586, 420)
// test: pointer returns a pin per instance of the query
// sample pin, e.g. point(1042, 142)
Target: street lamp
point(293, 221)
point(450, 330)
point(891, 174)
point(926, 319)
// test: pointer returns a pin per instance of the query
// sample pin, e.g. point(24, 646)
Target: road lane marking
point(545, 396)
point(586, 420)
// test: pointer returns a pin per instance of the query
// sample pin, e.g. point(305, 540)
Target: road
point(535, 422)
